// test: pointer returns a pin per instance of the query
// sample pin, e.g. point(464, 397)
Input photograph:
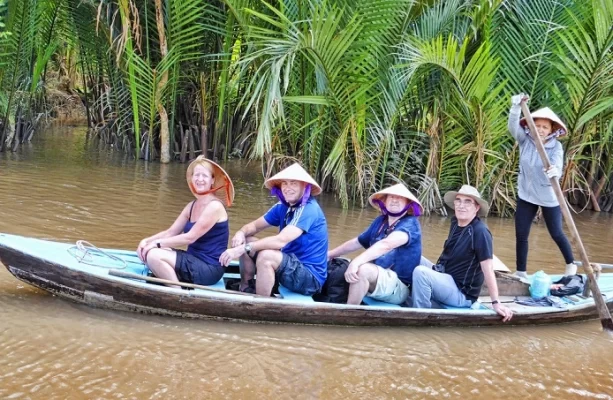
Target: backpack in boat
point(336, 288)
point(572, 284)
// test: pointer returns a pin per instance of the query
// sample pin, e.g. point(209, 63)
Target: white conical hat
point(397, 190)
point(222, 179)
point(467, 190)
point(293, 173)
point(546, 113)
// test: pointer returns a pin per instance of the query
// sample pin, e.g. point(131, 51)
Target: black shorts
point(296, 277)
point(191, 269)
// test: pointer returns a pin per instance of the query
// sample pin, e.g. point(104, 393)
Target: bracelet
point(158, 245)
point(495, 302)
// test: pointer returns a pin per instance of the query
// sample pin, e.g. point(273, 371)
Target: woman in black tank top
point(202, 226)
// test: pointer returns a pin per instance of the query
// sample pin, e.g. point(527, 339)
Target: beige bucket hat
point(396, 190)
point(546, 113)
point(467, 190)
point(222, 185)
point(293, 173)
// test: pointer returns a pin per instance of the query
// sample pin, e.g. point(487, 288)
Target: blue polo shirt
point(311, 248)
point(403, 259)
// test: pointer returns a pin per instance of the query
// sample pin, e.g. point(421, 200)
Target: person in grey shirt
point(535, 189)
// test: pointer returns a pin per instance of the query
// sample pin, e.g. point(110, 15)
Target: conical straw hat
point(293, 173)
point(396, 190)
point(546, 113)
point(222, 180)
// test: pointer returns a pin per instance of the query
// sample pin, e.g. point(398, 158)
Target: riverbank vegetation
point(362, 92)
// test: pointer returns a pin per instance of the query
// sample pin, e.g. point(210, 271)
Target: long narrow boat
point(83, 276)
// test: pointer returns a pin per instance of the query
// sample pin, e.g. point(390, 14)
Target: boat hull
point(127, 295)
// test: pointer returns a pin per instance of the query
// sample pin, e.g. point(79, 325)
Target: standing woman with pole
point(535, 188)
point(605, 316)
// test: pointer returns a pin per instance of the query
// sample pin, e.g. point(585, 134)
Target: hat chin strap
point(411, 206)
point(224, 186)
point(555, 134)
point(275, 191)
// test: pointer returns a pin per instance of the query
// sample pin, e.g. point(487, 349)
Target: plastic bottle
point(540, 286)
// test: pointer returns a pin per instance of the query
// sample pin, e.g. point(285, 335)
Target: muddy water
point(51, 348)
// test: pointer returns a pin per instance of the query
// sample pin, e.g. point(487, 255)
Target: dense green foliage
point(362, 92)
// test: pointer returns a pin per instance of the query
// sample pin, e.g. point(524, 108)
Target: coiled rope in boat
point(85, 253)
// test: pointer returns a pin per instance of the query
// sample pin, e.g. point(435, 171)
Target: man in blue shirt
point(296, 256)
point(393, 249)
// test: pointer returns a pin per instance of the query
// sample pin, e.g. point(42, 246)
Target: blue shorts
point(191, 269)
point(296, 277)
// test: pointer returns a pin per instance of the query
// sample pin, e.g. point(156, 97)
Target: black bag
point(336, 288)
point(573, 284)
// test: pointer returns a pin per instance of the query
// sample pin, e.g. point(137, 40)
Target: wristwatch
point(495, 302)
point(247, 248)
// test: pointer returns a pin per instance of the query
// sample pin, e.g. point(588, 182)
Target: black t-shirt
point(463, 252)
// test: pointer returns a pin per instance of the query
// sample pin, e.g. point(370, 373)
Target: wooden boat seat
point(145, 271)
point(289, 295)
point(283, 291)
point(372, 302)
point(221, 284)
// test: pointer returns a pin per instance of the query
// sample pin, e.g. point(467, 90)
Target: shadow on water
point(58, 188)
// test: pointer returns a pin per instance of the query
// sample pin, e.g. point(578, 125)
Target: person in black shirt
point(466, 261)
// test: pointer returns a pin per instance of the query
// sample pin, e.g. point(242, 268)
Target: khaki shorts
point(389, 288)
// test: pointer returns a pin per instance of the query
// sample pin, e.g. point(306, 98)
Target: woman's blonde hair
point(202, 161)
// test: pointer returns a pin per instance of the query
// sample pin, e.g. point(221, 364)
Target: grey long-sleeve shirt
point(534, 186)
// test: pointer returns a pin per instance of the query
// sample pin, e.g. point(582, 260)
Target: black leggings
point(524, 215)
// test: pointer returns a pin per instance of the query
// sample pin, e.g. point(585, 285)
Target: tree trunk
point(203, 141)
point(164, 135)
point(184, 144)
point(594, 200)
point(192, 144)
point(8, 133)
point(164, 131)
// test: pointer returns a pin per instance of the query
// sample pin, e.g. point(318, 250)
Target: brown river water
point(58, 189)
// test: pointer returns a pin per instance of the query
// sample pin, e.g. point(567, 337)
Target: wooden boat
point(83, 276)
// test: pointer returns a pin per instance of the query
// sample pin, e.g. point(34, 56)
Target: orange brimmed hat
point(546, 113)
point(222, 185)
point(293, 173)
point(396, 190)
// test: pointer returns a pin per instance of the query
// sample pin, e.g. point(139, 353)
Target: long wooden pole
point(123, 274)
point(603, 311)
